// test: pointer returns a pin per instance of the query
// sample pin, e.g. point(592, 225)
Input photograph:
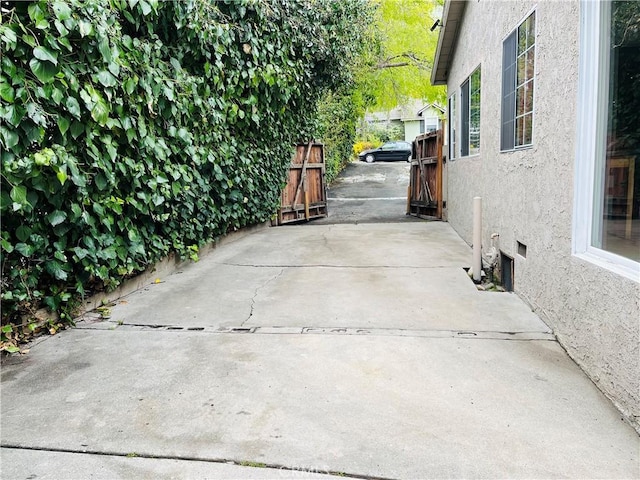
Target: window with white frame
point(453, 119)
point(607, 180)
point(518, 68)
point(470, 115)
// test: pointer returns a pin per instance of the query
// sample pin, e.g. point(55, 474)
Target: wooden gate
point(424, 198)
point(304, 197)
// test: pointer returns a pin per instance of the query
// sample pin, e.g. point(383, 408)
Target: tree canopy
point(397, 66)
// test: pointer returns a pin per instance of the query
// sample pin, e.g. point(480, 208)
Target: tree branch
point(381, 66)
point(412, 59)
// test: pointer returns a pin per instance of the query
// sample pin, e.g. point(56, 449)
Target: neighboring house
point(413, 119)
point(426, 119)
point(534, 132)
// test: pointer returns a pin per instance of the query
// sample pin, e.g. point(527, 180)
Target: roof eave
point(451, 20)
point(431, 105)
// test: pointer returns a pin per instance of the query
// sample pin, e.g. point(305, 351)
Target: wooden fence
point(424, 198)
point(304, 197)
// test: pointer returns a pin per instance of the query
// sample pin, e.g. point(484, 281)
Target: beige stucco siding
point(528, 195)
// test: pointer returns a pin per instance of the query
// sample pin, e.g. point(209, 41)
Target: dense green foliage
point(380, 132)
point(133, 128)
point(399, 57)
point(338, 116)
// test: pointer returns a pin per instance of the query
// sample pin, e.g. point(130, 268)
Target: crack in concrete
point(324, 265)
point(522, 336)
point(257, 290)
point(325, 240)
point(193, 458)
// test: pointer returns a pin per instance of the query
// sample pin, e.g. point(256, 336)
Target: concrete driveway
point(312, 351)
point(369, 193)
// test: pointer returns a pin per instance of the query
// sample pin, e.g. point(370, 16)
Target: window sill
point(612, 262)
point(475, 155)
point(519, 149)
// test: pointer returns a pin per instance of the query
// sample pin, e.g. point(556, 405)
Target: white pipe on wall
point(477, 239)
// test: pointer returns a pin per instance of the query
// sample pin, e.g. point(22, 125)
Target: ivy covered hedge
point(338, 115)
point(134, 128)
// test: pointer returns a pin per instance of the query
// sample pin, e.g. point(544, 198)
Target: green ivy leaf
point(24, 249)
point(35, 12)
point(19, 194)
point(129, 86)
point(56, 217)
point(63, 124)
point(105, 50)
point(77, 129)
point(146, 8)
point(9, 137)
point(23, 233)
point(73, 106)
point(80, 252)
point(29, 40)
point(106, 78)
point(43, 70)
point(42, 25)
point(6, 246)
point(61, 10)
point(34, 133)
point(64, 41)
point(100, 112)
point(55, 269)
point(61, 28)
point(62, 176)
point(7, 93)
point(76, 210)
point(101, 183)
point(46, 55)
point(57, 95)
point(9, 37)
point(86, 28)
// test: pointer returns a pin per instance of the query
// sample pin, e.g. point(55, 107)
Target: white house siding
point(411, 130)
point(528, 196)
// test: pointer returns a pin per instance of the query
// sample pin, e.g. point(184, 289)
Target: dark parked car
point(387, 152)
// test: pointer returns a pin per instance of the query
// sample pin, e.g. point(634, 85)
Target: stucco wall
point(528, 196)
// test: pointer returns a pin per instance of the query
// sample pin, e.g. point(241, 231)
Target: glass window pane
point(531, 29)
point(530, 64)
point(521, 75)
point(528, 98)
point(520, 94)
point(522, 39)
point(519, 131)
point(475, 79)
point(524, 57)
point(617, 221)
point(474, 113)
point(528, 129)
point(464, 118)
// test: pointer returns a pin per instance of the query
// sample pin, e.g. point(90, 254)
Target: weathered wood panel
point(304, 197)
point(425, 184)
